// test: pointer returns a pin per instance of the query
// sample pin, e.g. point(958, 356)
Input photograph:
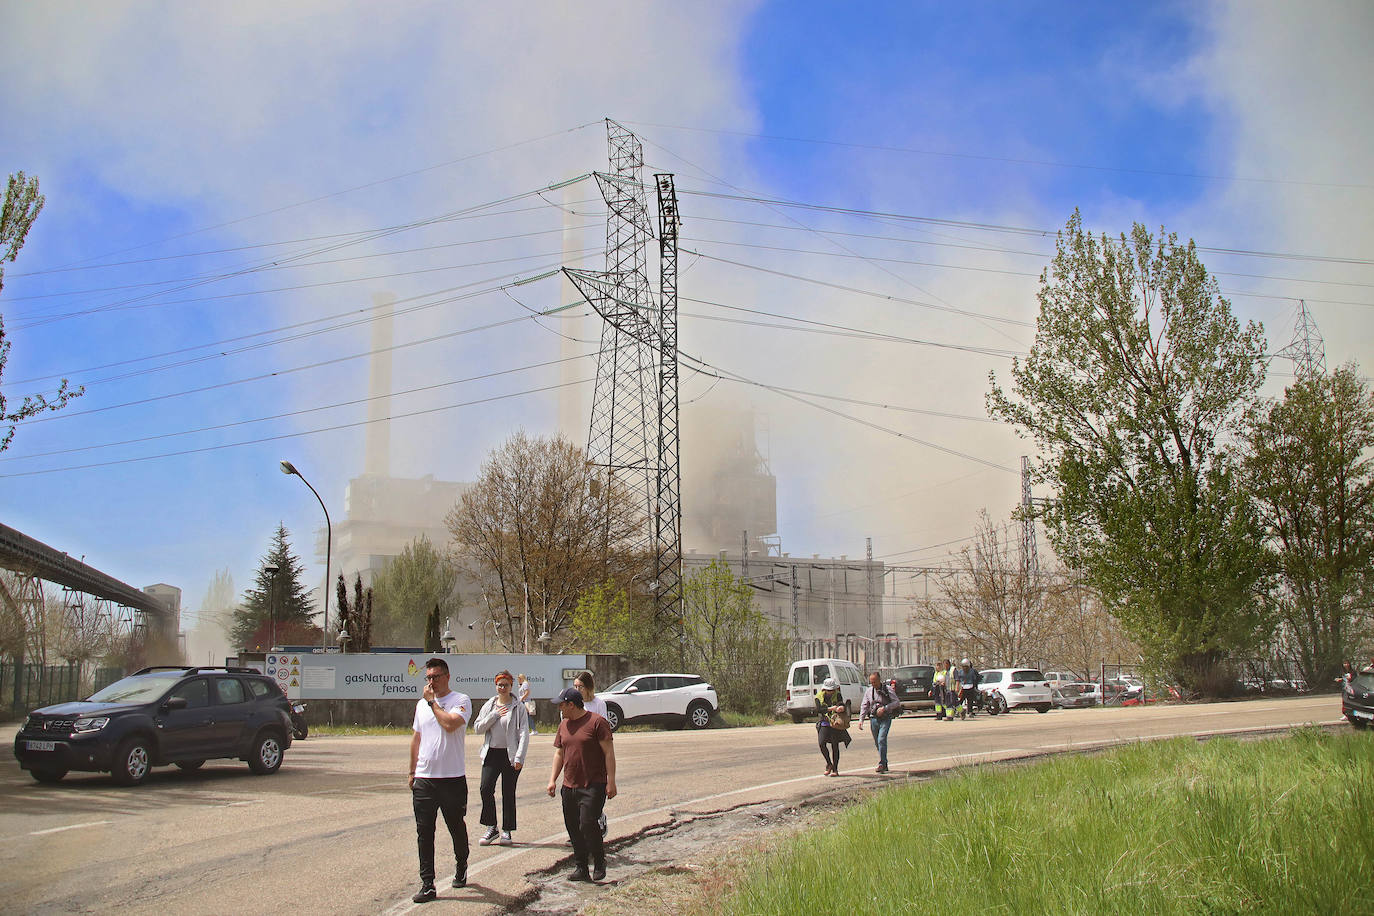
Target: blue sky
point(199, 142)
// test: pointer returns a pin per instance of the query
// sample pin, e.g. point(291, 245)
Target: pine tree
point(281, 597)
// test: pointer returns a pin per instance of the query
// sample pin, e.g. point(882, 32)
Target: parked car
point(806, 676)
point(678, 699)
point(1075, 695)
point(915, 685)
point(1060, 678)
point(1125, 690)
point(1017, 687)
point(1357, 699)
point(159, 716)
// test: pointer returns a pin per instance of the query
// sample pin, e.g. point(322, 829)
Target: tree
point(1312, 475)
point(995, 605)
point(541, 529)
point(432, 643)
point(21, 208)
point(731, 642)
point(405, 591)
point(1135, 391)
point(609, 621)
point(1085, 634)
point(355, 619)
point(278, 596)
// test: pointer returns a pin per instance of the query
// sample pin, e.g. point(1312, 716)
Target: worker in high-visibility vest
point(940, 686)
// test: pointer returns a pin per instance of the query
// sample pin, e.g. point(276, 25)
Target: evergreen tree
point(280, 596)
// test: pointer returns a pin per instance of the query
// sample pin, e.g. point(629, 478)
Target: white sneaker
point(505, 838)
point(489, 837)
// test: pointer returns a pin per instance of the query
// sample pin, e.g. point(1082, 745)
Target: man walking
point(585, 755)
point(969, 679)
point(880, 705)
point(438, 774)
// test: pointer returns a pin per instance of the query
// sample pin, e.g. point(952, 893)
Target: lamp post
point(289, 468)
point(447, 637)
point(272, 606)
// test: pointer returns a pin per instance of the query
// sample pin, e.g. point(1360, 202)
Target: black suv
point(158, 716)
point(1357, 699)
point(915, 685)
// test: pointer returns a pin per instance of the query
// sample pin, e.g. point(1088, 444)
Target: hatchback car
point(1075, 695)
point(159, 716)
point(1017, 687)
point(678, 699)
point(915, 685)
point(1357, 699)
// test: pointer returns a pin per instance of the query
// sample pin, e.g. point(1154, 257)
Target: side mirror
point(174, 703)
point(632, 690)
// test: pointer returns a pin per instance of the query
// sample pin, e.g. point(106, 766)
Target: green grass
point(729, 719)
point(1277, 826)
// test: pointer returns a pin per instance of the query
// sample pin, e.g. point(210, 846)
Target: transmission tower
point(1030, 560)
point(1307, 349)
point(633, 437)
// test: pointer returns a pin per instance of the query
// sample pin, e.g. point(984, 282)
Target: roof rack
point(191, 669)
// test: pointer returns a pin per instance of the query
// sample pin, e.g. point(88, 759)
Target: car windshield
point(1028, 674)
point(619, 685)
point(914, 672)
point(1362, 682)
point(139, 689)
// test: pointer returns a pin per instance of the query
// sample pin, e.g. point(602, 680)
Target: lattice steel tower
point(633, 436)
point(1307, 350)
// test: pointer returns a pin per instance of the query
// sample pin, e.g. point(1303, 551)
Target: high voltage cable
point(736, 377)
point(995, 227)
point(246, 271)
point(361, 187)
point(296, 413)
point(297, 435)
point(1013, 160)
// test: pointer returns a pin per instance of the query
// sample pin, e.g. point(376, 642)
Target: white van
point(806, 677)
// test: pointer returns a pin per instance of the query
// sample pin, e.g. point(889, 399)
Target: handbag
point(840, 720)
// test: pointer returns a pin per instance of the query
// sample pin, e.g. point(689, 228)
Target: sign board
point(401, 676)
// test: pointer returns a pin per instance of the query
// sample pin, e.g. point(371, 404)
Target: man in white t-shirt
point(438, 774)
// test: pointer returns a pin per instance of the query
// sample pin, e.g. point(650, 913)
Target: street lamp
point(289, 468)
point(272, 605)
point(447, 637)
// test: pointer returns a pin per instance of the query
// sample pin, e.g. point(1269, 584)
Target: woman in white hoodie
point(504, 725)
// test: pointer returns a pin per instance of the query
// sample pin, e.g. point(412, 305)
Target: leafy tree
point(1135, 391)
point(1312, 475)
point(995, 607)
point(539, 523)
point(731, 642)
point(282, 593)
point(1085, 634)
point(405, 591)
point(609, 621)
point(21, 208)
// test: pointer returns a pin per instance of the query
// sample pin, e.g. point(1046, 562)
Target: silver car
point(1014, 688)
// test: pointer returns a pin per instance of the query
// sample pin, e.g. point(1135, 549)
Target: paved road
point(332, 832)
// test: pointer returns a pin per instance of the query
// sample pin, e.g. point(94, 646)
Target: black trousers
point(497, 764)
point(829, 739)
point(429, 797)
point(581, 817)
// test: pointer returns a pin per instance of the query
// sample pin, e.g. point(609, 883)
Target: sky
point(229, 185)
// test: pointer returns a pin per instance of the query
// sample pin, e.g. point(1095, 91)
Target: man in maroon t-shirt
point(584, 754)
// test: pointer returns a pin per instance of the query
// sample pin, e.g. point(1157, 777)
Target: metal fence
point(27, 687)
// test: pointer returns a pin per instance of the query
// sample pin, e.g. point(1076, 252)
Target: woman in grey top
point(504, 724)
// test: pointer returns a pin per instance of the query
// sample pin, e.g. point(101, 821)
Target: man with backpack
point(880, 706)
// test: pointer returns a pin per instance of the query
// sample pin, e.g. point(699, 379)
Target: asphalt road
point(332, 832)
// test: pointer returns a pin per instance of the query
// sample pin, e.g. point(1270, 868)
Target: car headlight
point(90, 725)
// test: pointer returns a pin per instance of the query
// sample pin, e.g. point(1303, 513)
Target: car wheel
point(797, 718)
point(266, 756)
point(1043, 707)
point(132, 762)
point(190, 766)
point(613, 716)
point(48, 775)
point(699, 715)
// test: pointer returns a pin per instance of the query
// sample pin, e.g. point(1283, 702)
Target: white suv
point(1016, 687)
point(681, 699)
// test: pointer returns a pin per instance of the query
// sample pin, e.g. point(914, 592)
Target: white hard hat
point(829, 683)
point(966, 662)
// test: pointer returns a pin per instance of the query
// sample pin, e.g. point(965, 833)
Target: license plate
point(41, 745)
point(1357, 713)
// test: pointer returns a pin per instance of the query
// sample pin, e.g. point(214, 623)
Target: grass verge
point(1225, 826)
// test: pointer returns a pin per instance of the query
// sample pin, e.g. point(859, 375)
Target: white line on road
point(70, 827)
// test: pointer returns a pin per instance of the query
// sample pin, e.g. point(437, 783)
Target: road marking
point(407, 906)
point(69, 827)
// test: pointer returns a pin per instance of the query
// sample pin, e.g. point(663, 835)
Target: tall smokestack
point(573, 420)
point(377, 460)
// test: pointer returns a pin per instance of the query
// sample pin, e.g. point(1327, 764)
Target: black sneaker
point(425, 894)
point(580, 874)
point(599, 872)
point(460, 878)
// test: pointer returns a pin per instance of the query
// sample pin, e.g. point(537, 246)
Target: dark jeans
point(581, 815)
point(880, 728)
point(429, 797)
point(497, 763)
